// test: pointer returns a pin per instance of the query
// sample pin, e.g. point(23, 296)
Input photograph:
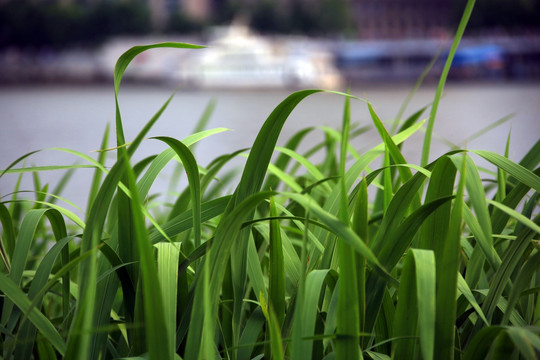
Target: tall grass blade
point(416, 302)
point(274, 329)
point(447, 257)
point(96, 180)
point(276, 275)
point(435, 106)
point(348, 313)
point(154, 314)
point(8, 236)
point(78, 344)
point(167, 263)
point(203, 322)
point(360, 224)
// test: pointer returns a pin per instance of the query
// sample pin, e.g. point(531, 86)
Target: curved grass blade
point(263, 147)
point(499, 218)
point(481, 343)
point(21, 158)
point(283, 160)
point(192, 171)
point(121, 65)
point(515, 170)
point(162, 159)
point(184, 221)
point(68, 214)
point(532, 158)
point(250, 183)
point(464, 289)
point(516, 215)
point(331, 204)
point(21, 252)
point(527, 342)
point(340, 229)
point(396, 243)
point(511, 260)
point(523, 279)
point(310, 167)
point(33, 169)
point(10, 289)
point(392, 148)
point(27, 331)
point(182, 202)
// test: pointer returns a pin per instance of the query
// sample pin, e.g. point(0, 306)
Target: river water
point(42, 117)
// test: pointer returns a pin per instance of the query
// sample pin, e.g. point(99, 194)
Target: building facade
point(402, 18)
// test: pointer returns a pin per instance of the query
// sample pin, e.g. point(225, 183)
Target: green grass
point(357, 256)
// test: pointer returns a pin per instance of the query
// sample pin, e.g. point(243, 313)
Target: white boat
point(236, 58)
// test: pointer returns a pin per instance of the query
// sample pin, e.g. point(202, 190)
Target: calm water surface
point(35, 118)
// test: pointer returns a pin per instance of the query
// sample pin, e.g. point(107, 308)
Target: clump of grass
point(301, 261)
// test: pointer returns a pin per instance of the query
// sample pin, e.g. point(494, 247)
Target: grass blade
point(192, 171)
point(154, 315)
point(276, 275)
point(434, 107)
point(10, 289)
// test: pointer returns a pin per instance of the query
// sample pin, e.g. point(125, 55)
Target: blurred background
point(57, 59)
point(376, 40)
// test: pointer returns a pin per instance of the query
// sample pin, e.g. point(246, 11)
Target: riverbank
point(359, 62)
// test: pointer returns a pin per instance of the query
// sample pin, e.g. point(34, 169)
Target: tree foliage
point(29, 24)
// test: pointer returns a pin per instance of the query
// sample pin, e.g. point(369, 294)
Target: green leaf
point(192, 171)
point(306, 312)
point(27, 332)
point(168, 255)
point(154, 315)
point(442, 80)
point(447, 257)
point(275, 334)
point(276, 274)
point(519, 172)
point(522, 281)
point(416, 306)
point(481, 343)
point(10, 289)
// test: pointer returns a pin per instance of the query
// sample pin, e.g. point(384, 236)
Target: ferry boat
point(238, 59)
